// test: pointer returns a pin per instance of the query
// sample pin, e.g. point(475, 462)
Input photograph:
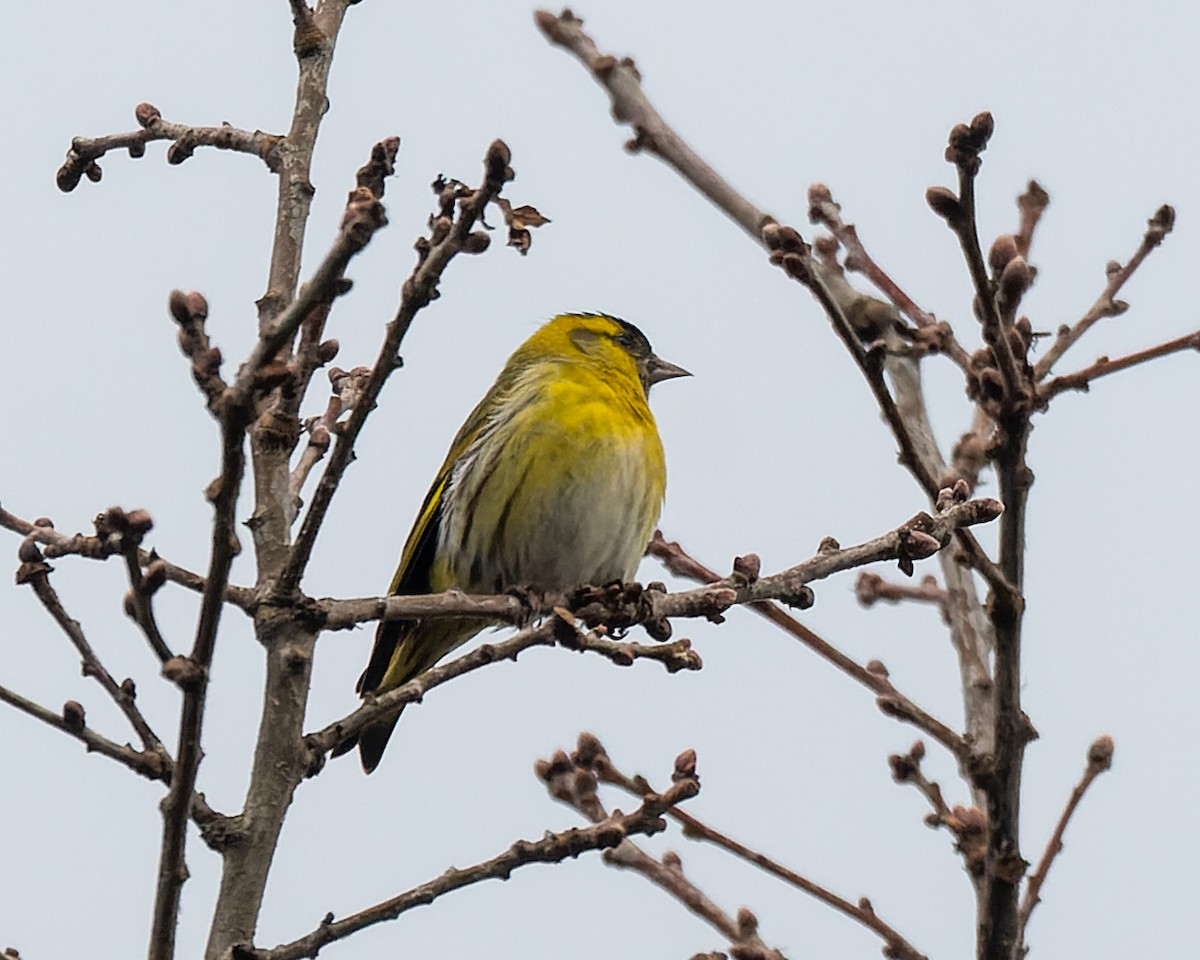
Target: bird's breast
point(565, 490)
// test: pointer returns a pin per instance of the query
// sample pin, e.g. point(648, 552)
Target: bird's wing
point(414, 574)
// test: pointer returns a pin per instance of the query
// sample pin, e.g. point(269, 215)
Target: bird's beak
point(658, 370)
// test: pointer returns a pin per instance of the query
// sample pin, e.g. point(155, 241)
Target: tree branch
point(606, 833)
point(1082, 379)
point(1106, 305)
point(36, 572)
point(572, 779)
point(85, 151)
point(788, 250)
point(1099, 759)
point(896, 946)
point(870, 588)
point(562, 629)
point(191, 675)
point(154, 765)
point(825, 211)
point(873, 676)
point(57, 545)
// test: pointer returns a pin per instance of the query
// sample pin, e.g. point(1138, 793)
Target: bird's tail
point(371, 741)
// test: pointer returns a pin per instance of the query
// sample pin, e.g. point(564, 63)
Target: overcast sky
point(774, 444)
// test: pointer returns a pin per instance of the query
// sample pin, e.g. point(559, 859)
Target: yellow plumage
point(556, 479)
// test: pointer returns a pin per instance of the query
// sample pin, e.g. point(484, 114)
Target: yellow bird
point(556, 479)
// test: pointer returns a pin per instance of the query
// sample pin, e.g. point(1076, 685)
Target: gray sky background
point(774, 444)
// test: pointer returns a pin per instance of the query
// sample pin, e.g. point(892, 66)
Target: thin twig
point(870, 588)
point(1099, 759)
point(824, 210)
point(191, 674)
point(651, 133)
point(1106, 305)
point(155, 765)
point(862, 912)
point(363, 216)
point(605, 834)
point(967, 824)
point(874, 677)
point(140, 605)
point(85, 151)
point(347, 387)
point(1032, 204)
point(36, 572)
point(572, 779)
point(57, 545)
point(1082, 379)
point(151, 764)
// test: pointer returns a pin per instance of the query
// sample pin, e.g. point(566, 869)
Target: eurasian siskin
point(556, 479)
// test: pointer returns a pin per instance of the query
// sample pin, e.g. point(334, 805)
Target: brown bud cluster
point(968, 141)
point(1100, 753)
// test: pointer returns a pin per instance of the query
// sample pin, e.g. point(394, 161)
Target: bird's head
point(606, 342)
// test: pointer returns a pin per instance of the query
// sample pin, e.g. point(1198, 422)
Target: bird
point(556, 479)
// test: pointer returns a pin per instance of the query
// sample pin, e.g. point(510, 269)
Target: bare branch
point(191, 675)
point(873, 676)
point(36, 572)
point(651, 133)
point(870, 588)
point(969, 825)
point(561, 629)
point(825, 211)
point(896, 946)
point(138, 601)
point(788, 250)
point(1032, 204)
point(347, 389)
point(85, 151)
point(101, 548)
point(921, 536)
point(363, 216)
point(572, 779)
point(151, 764)
point(966, 143)
point(190, 311)
point(606, 833)
point(1106, 305)
point(1099, 759)
point(1082, 379)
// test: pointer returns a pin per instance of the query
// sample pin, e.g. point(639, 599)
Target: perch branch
point(561, 629)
